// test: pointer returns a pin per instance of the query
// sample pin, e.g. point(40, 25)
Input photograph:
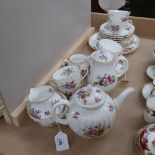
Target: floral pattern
point(76, 115)
point(67, 72)
point(69, 85)
point(106, 80)
point(93, 131)
point(123, 19)
point(121, 62)
point(103, 57)
point(115, 28)
point(111, 108)
point(144, 140)
point(82, 94)
point(36, 113)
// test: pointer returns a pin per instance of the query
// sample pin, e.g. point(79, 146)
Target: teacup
point(149, 114)
point(118, 20)
point(68, 79)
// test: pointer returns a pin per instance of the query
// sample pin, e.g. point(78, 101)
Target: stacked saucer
point(124, 37)
point(119, 29)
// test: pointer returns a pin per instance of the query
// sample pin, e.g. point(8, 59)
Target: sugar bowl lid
point(90, 97)
point(145, 140)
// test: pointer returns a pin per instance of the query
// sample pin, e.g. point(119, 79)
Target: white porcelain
point(110, 45)
point(145, 140)
point(118, 20)
point(133, 47)
point(93, 41)
point(79, 60)
point(102, 70)
point(151, 72)
point(148, 90)
point(113, 46)
point(68, 79)
point(91, 111)
point(40, 100)
point(149, 114)
point(122, 66)
point(127, 31)
point(150, 104)
point(111, 4)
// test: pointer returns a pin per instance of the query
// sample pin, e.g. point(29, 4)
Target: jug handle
point(62, 121)
point(85, 75)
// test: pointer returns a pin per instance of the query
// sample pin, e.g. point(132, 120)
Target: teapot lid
point(103, 56)
point(90, 97)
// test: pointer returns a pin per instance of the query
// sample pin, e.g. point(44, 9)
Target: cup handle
point(62, 121)
point(85, 75)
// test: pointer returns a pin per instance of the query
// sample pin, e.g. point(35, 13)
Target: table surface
point(36, 140)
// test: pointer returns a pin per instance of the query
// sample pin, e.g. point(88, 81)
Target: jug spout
point(119, 99)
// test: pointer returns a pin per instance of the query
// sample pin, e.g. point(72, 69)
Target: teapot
point(40, 100)
point(102, 69)
point(91, 111)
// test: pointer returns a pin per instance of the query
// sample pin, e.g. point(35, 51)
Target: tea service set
point(77, 94)
point(89, 111)
point(118, 28)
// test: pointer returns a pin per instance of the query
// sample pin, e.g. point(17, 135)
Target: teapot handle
point(62, 121)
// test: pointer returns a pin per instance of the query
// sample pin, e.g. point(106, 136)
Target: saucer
point(93, 43)
point(147, 90)
point(122, 65)
point(124, 33)
point(151, 72)
point(133, 47)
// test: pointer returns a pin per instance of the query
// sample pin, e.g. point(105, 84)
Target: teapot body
point(91, 122)
point(90, 111)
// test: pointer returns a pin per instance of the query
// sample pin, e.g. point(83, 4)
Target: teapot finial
point(119, 99)
point(89, 88)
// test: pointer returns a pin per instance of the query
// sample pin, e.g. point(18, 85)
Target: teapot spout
point(119, 99)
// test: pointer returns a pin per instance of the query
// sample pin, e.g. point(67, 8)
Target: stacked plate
point(126, 37)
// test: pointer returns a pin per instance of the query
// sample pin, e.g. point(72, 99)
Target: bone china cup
point(117, 20)
point(68, 79)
